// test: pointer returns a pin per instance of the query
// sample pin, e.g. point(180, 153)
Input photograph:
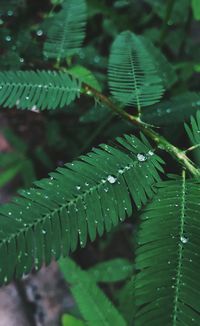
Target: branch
point(178, 154)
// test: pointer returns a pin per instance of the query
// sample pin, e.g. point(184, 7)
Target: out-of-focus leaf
point(196, 9)
point(97, 113)
point(69, 320)
point(114, 270)
point(85, 76)
point(9, 174)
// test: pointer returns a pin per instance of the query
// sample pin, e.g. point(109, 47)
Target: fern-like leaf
point(193, 131)
point(86, 197)
point(94, 306)
point(133, 77)
point(166, 287)
point(37, 90)
point(67, 31)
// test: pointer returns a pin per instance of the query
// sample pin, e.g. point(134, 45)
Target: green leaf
point(95, 114)
point(166, 285)
point(177, 110)
point(196, 9)
point(133, 76)
point(85, 76)
point(67, 31)
point(179, 13)
point(83, 199)
point(94, 306)
point(114, 270)
point(9, 174)
point(193, 131)
point(37, 90)
point(68, 320)
point(126, 305)
point(164, 69)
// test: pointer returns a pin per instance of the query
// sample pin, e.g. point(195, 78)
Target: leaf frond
point(37, 89)
point(167, 286)
point(67, 31)
point(193, 130)
point(83, 199)
point(94, 305)
point(133, 77)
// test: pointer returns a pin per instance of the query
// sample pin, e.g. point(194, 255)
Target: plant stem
point(162, 143)
point(192, 148)
point(168, 13)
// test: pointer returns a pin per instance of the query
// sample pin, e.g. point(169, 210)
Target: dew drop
point(184, 239)
point(141, 157)
point(150, 153)
point(34, 109)
point(10, 13)
point(111, 179)
point(8, 38)
point(39, 32)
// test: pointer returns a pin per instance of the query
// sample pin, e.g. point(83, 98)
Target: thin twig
point(178, 154)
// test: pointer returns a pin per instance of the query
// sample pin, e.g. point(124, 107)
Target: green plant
point(93, 194)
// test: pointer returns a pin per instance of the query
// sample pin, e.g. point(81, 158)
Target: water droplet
point(78, 187)
point(10, 13)
point(150, 153)
point(21, 60)
point(9, 213)
point(44, 231)
point(111, 179)
point(8, 38)
point(184, 239)
point(141, 157)
point(39, 32)
point(34, 109)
